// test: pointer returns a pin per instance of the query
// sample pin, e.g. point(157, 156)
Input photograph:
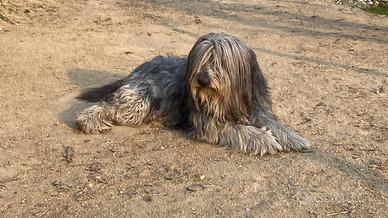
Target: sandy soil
point(327, 66)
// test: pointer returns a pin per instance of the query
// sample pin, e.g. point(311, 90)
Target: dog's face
point(220, 75)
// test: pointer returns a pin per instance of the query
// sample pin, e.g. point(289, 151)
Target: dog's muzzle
point(203, 79)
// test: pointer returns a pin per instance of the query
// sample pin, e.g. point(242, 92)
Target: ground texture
point(327, 67)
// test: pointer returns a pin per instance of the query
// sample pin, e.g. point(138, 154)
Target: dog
point(218, 94)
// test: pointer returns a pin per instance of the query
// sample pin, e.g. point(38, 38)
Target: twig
point(13, 178)
point(367, 149)
point(357, 170)
point(338, 213)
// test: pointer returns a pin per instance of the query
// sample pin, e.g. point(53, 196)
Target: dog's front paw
point(250, 140)
point(300, 144)
point(291, 140)
point(259, 141)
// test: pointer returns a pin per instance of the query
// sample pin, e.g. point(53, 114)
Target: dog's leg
point(287, 138)
point(248, 139)
point(129, 106)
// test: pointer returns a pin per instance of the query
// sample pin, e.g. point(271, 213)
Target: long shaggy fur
point(218, 92)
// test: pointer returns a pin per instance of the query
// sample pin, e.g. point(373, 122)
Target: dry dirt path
point(327, 66)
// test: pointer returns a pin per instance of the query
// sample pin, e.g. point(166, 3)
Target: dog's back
point(160, 80)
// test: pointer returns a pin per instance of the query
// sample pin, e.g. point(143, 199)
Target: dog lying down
point(218, 93)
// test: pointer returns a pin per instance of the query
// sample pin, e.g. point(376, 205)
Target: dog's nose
point(203, 79)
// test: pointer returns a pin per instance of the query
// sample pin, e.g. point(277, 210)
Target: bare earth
point(327, 67)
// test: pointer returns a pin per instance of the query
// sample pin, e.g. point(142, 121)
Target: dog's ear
point(260, 93)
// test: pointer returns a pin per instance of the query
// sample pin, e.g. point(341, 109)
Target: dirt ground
point(327, 67)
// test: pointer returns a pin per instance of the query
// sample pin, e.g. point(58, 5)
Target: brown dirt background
point(327, 66)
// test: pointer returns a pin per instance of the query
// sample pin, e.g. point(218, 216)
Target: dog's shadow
point(83, 79)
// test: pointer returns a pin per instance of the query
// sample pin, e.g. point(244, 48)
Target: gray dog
point(218, 93)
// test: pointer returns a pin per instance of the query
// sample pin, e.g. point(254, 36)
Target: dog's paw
point(260, 141)
point(93, 121)
point(250, 140)
point(89, 127)
point(300, 143)
point(292, 141)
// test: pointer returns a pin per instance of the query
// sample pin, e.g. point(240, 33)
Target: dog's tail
point(103, 93)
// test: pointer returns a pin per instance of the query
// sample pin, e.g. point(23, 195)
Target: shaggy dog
point(218, 93)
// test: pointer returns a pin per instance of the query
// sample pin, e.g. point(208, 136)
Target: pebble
point(147, 198)
point(95, 167)
point(197, 20)
point(147, 189)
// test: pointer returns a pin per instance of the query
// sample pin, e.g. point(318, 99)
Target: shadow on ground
point(359, 172)
point(313, 60)
point(84, 78)
point(285, 21)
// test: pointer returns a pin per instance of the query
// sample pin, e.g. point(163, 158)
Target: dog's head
point(224, 78)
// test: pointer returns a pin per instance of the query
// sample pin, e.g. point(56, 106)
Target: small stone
point(97, 178)
point(95, 167)
point(168, 177)
point(171, 168)
point(147, 198)
point(375, 162)
point(163, 169)
point(60, 186)
point(197, 20)
point(380, 90)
